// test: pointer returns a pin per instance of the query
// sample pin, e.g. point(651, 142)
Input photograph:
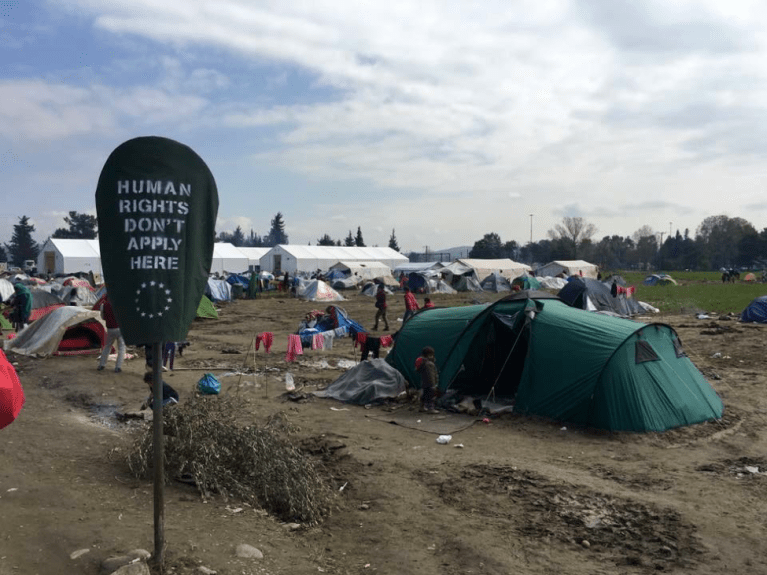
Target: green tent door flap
point(562, 363)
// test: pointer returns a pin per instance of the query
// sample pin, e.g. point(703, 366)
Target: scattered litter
point(12, 489)
point(444, 439)
point(289, 383)
point(343, 486)
point(459, 444)
point(79, 553)
point(703, 316)
point(486, 420)
point(346, 363)
point(339, 409)
point(562, 429)
point(751, 469)
point(234, 509)
point(717, 355)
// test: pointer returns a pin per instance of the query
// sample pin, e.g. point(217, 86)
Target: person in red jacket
point(427, 303)
point(381, 307)
point(113, 334)
point(411, 305)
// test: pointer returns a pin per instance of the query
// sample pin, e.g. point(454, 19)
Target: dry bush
point(247, 463)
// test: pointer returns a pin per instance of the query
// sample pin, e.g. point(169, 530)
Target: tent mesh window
point(678, 348)
point(644, 352)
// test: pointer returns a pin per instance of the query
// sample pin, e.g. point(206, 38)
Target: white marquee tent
point(363, 270)
point(297, 258)
point(228, 258)
point(254, 256)
point(505, 267)
point(60, 256)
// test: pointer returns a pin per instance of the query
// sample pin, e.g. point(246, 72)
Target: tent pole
point(158, 452)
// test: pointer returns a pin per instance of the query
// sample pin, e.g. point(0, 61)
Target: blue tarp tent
point(238, 279)
point(756, 311)
point(218, 290)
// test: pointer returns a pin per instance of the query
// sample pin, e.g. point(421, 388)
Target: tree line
point(23, 246)
point(719, 242)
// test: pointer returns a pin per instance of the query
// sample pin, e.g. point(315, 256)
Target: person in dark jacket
point(381, 307)
point(22, 306)
point(427, 368)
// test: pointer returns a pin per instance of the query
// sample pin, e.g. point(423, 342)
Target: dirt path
point(522, 495)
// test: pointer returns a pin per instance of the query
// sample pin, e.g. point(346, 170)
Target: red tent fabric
point(11, 393)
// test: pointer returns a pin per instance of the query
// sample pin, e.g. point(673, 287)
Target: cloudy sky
point(443, 120)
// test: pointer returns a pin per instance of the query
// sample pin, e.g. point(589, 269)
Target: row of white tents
point(66, 256)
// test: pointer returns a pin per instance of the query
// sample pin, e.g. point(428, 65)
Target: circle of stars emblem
point(163, 301)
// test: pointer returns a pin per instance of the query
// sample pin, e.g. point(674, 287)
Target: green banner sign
point(156, 203)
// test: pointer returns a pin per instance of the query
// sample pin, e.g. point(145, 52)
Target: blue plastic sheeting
point(335, 275)
point(756, 311)
point(238, 279)
point(218, 290)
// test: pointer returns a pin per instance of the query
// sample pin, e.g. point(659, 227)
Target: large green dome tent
point(562, 363)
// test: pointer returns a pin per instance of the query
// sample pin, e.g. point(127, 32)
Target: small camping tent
point(362, 270)
point(496, 283)
point(568, 268)
point(562, 363)
point(318, 290)
point(593, 295)
point(67, 330)
point(206, 309)
point(749, 278)
point(659, 280)
point(526, 282)
point(756, 311)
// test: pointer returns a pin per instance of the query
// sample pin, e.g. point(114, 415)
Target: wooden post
point(159, 456)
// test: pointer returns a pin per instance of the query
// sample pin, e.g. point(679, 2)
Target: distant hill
point(458, 252)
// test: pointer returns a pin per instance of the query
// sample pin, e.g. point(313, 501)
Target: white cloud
point(540, 106)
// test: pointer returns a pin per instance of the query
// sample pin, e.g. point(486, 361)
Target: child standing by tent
point(426, 366)
point(411, 305)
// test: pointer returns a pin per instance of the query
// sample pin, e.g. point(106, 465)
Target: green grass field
point(702, 291)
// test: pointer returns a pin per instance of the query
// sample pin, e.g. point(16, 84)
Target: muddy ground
point(521, 496)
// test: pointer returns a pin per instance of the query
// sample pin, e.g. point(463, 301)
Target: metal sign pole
point(159, 456)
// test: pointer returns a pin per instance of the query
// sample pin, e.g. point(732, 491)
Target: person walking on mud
point(425, 365)
point(381, 307)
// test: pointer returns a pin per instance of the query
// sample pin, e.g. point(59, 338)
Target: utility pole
point(531, 228)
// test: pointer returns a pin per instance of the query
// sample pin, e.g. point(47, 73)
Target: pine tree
point(22, 246)
point(358, 241)
point(81, 226)
point(3, 256)
point(238, 237)
point(277, 232)
point(254, 240)
point(326, 240)
point(393, 241)
point(349, 241)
